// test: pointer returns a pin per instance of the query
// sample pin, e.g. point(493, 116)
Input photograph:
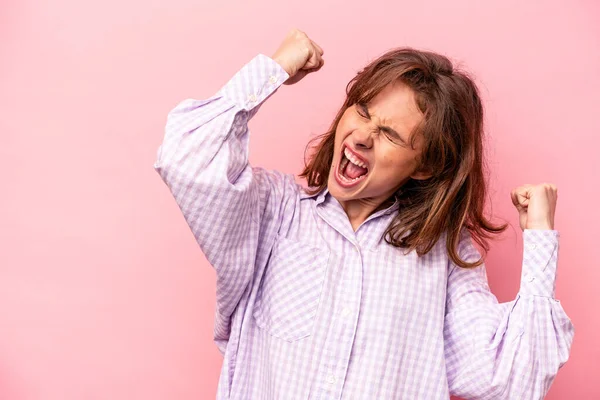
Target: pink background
point(104, 293)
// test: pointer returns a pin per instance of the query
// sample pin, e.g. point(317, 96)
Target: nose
point(363, 137)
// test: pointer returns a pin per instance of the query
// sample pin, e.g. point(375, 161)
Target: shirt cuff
point(254, 83)
point(540, 260)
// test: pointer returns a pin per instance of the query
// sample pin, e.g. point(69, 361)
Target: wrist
point(283, 65)
point(546, 225)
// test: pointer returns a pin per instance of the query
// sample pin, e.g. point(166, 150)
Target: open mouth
point(352, 169)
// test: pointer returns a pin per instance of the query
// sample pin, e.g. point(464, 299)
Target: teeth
point(353, 159)
point(350, 180)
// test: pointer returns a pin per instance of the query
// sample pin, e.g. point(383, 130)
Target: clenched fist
point(298, 55)
point(536, 205)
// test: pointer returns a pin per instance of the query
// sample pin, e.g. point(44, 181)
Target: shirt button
point(527, 276)
point(331, 379)
point(532, 246)
point(345, 312)
point(273, 79)
point(252, 98)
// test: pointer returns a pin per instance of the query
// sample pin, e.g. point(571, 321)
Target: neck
point(360, 209)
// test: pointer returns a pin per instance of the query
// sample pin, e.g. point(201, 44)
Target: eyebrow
point(382, 127)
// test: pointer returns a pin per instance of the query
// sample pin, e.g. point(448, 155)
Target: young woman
point(366, 284)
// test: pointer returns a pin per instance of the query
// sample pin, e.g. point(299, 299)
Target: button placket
point(530, 278)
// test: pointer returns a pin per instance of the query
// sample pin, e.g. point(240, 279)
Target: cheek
point(394, 160)
point(347, 123)
point(340, 131)
point(390, 156)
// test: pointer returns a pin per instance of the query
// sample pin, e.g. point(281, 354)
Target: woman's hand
point(536, 205)
point(299, 56)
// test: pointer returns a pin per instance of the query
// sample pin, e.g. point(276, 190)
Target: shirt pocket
point(289, 294)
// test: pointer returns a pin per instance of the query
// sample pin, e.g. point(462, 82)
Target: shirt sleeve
point(229, 206)
point(507, 350)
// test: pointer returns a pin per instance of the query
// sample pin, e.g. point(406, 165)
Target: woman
point(365, 285)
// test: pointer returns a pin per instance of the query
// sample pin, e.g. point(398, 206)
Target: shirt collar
point(322, 195)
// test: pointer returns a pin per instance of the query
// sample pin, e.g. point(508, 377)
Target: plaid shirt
point(308, 308)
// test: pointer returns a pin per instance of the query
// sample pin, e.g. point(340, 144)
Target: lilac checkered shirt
point(307, 308)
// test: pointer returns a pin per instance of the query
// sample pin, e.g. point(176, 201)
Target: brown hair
point(451, 200)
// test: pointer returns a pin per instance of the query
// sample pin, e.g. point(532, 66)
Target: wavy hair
point(453, 199)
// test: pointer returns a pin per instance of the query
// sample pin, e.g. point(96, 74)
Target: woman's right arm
point(231, 207)
point(228, 205)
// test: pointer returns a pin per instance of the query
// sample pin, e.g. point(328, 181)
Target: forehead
point(396, 106)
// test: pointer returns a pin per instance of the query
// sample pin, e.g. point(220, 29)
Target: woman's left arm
point(507, 350)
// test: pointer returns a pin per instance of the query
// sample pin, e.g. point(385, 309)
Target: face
point(372, 153)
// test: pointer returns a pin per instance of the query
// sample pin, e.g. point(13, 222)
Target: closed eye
point(362, 110)
point(391, 134)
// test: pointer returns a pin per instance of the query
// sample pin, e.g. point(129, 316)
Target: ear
point(422, 174)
